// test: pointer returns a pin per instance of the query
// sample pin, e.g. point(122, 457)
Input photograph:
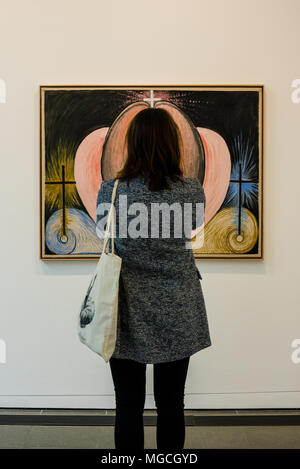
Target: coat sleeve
point(198, 204)
point(102, 207)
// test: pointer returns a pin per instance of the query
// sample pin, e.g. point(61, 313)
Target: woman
point(162, 316)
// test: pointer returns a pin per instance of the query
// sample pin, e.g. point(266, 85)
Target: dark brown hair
point(153, 143)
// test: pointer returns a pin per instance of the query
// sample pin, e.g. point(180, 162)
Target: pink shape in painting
point(87, 169)
point(217, 172)
point(216, 180)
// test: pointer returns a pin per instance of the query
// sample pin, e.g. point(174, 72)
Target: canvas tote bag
point(98, 316)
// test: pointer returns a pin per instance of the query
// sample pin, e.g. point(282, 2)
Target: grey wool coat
point(162, 314)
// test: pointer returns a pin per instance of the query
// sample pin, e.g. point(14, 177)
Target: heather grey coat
point(162, 315)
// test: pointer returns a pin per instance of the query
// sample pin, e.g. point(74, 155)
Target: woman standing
point(162, 316)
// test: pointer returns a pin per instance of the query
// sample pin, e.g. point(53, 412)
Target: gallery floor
point(92, 428)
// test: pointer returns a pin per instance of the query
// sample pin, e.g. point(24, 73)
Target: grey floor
point(197, 437)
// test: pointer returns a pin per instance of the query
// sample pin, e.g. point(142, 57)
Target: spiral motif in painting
point(222, 234)
point(79, 236)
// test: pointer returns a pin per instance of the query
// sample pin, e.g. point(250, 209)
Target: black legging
point(129, 379)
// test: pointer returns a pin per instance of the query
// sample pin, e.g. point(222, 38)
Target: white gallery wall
point(253, 306)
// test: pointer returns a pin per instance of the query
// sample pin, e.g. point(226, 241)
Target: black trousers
point(129, 378)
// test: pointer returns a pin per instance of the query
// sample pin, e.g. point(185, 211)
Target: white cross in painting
point(2, 91)
point(152, 99)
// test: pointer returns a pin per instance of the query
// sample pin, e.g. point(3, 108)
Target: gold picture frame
point(70, 113)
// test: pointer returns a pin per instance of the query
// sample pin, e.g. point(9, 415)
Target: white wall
point(253, 306)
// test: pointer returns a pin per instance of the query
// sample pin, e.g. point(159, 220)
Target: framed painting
point(82, 131)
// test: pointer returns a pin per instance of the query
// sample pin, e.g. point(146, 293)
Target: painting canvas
point(82, 132)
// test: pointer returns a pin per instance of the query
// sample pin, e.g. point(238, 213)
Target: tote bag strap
point(110, 220)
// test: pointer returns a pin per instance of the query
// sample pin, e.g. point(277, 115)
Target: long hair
point(154, 149)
